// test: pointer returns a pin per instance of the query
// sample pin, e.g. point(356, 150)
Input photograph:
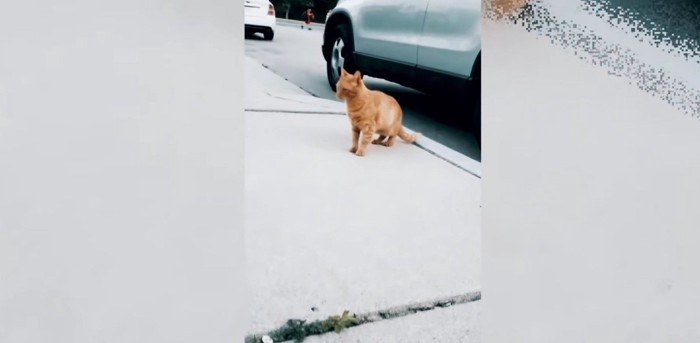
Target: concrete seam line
point(303, 330)
point(293, 111)
point(288, 99)
point(341, 104)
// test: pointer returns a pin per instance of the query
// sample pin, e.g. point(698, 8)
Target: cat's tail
point(408, 137)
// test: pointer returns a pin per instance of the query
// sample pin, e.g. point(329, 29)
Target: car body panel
point(389, 28)
point(451, 37)
point(266, 22)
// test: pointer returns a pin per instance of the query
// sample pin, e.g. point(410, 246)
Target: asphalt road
point(295, 54)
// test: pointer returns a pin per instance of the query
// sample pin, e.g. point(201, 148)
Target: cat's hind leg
point(390, 141)
point(379, 140)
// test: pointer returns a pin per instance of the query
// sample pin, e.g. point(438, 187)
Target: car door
point(451, 37)
point(389, 29)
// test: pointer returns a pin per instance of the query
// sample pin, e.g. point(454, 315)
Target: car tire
point(342, 48)
point(269, 35)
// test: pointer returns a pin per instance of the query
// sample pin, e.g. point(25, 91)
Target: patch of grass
point(338, 323)
point(296, 329)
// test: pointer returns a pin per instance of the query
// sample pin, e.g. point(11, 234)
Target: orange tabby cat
point(370, 112)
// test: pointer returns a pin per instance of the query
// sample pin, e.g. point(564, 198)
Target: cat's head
point(348, 84)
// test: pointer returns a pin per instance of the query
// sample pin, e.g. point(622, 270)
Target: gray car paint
point(439, 35)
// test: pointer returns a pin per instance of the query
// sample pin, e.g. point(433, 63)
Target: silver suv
point(430, 45)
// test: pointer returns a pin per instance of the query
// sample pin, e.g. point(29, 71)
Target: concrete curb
point(453, 157)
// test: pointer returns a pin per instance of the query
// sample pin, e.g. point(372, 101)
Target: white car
point(260, 17)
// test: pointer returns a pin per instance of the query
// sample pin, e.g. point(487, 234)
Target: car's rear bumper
point(257, 28)
point(260, 24)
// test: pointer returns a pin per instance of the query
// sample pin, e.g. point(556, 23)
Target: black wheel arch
point(476, 68)
point(340, 17)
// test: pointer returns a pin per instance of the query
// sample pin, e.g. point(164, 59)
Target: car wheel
point(269, 34)
point(341, 54)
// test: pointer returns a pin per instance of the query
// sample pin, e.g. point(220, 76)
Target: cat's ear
point(343, 72)
point(358, 78)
